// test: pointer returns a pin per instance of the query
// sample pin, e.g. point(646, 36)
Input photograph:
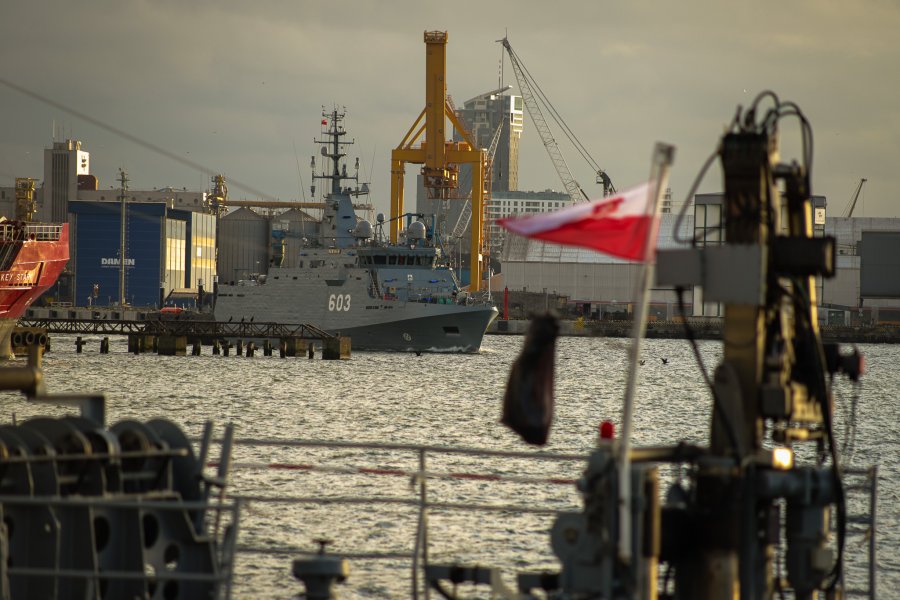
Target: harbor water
point(435, 400)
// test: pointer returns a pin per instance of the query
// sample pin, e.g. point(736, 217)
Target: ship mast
point(332, 148)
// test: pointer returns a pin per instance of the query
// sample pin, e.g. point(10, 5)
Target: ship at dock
point(32, 256)
point(349, 281)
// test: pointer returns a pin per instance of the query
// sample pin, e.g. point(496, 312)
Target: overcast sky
point(238, 85)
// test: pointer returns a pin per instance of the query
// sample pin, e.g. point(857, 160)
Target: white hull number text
point(339, 302)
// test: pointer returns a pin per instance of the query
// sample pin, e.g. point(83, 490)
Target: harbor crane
point(534, 97)
point(440, 158)
point(848, 212)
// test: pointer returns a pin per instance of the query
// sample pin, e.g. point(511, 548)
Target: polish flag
point(618, 226)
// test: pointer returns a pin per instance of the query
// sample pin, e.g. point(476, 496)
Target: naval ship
point(350, 281)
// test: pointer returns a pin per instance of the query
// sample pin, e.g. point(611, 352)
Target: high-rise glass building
point(483, 115)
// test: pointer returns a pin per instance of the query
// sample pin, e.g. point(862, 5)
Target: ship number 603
point(339, 302)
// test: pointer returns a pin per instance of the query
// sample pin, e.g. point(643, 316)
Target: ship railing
point(441, 483)
point(426, 490)
point(43, 232)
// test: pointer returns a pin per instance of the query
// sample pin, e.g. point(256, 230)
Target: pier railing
point(185, 327)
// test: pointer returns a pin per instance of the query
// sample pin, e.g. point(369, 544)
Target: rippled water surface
point(441, 400)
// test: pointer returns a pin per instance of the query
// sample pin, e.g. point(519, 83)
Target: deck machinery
point(746, 522)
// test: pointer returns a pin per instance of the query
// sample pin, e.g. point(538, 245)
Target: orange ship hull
point(32, 256)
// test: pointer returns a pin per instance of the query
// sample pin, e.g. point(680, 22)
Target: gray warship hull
point(351, 302)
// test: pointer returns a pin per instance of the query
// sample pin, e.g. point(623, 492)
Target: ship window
point(380, 259)
point(451, 330)
point(392, 260)
point(299, 264)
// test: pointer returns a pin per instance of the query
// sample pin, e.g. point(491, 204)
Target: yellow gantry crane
point(440, 158)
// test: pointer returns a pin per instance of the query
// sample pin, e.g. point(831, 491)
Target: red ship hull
point(32, 256)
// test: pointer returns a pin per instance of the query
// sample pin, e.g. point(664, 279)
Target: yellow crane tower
point(441, 158)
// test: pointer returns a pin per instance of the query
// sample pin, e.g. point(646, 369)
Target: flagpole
point(659, 175)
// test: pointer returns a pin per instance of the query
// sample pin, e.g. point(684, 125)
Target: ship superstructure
point(351, 281)
point(32, 255)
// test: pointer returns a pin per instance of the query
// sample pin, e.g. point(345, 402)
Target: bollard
point(79, 344)
point(216, 349)
point(250, 348)
point(35, 355)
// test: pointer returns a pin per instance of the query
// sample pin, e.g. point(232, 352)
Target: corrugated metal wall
point(97, 252)
point(202, 259)
point(175, 268)
point(243, 245)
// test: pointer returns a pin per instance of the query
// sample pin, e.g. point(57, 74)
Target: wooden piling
point(172, 345)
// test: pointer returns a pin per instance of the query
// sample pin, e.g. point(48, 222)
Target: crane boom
point(848, 212)
point(465, 215)
point(534, 110)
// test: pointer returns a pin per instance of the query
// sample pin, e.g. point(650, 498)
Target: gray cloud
point(235, 85)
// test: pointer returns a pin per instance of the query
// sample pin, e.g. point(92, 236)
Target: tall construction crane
point(440, 158)
point(533, 97)
point(848, 212)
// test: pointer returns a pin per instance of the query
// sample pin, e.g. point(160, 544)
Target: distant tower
point(63, 163)
point(486, 113)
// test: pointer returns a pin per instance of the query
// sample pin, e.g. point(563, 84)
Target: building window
point(708, 224)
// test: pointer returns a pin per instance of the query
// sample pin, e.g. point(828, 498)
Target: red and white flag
point(618, 226)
